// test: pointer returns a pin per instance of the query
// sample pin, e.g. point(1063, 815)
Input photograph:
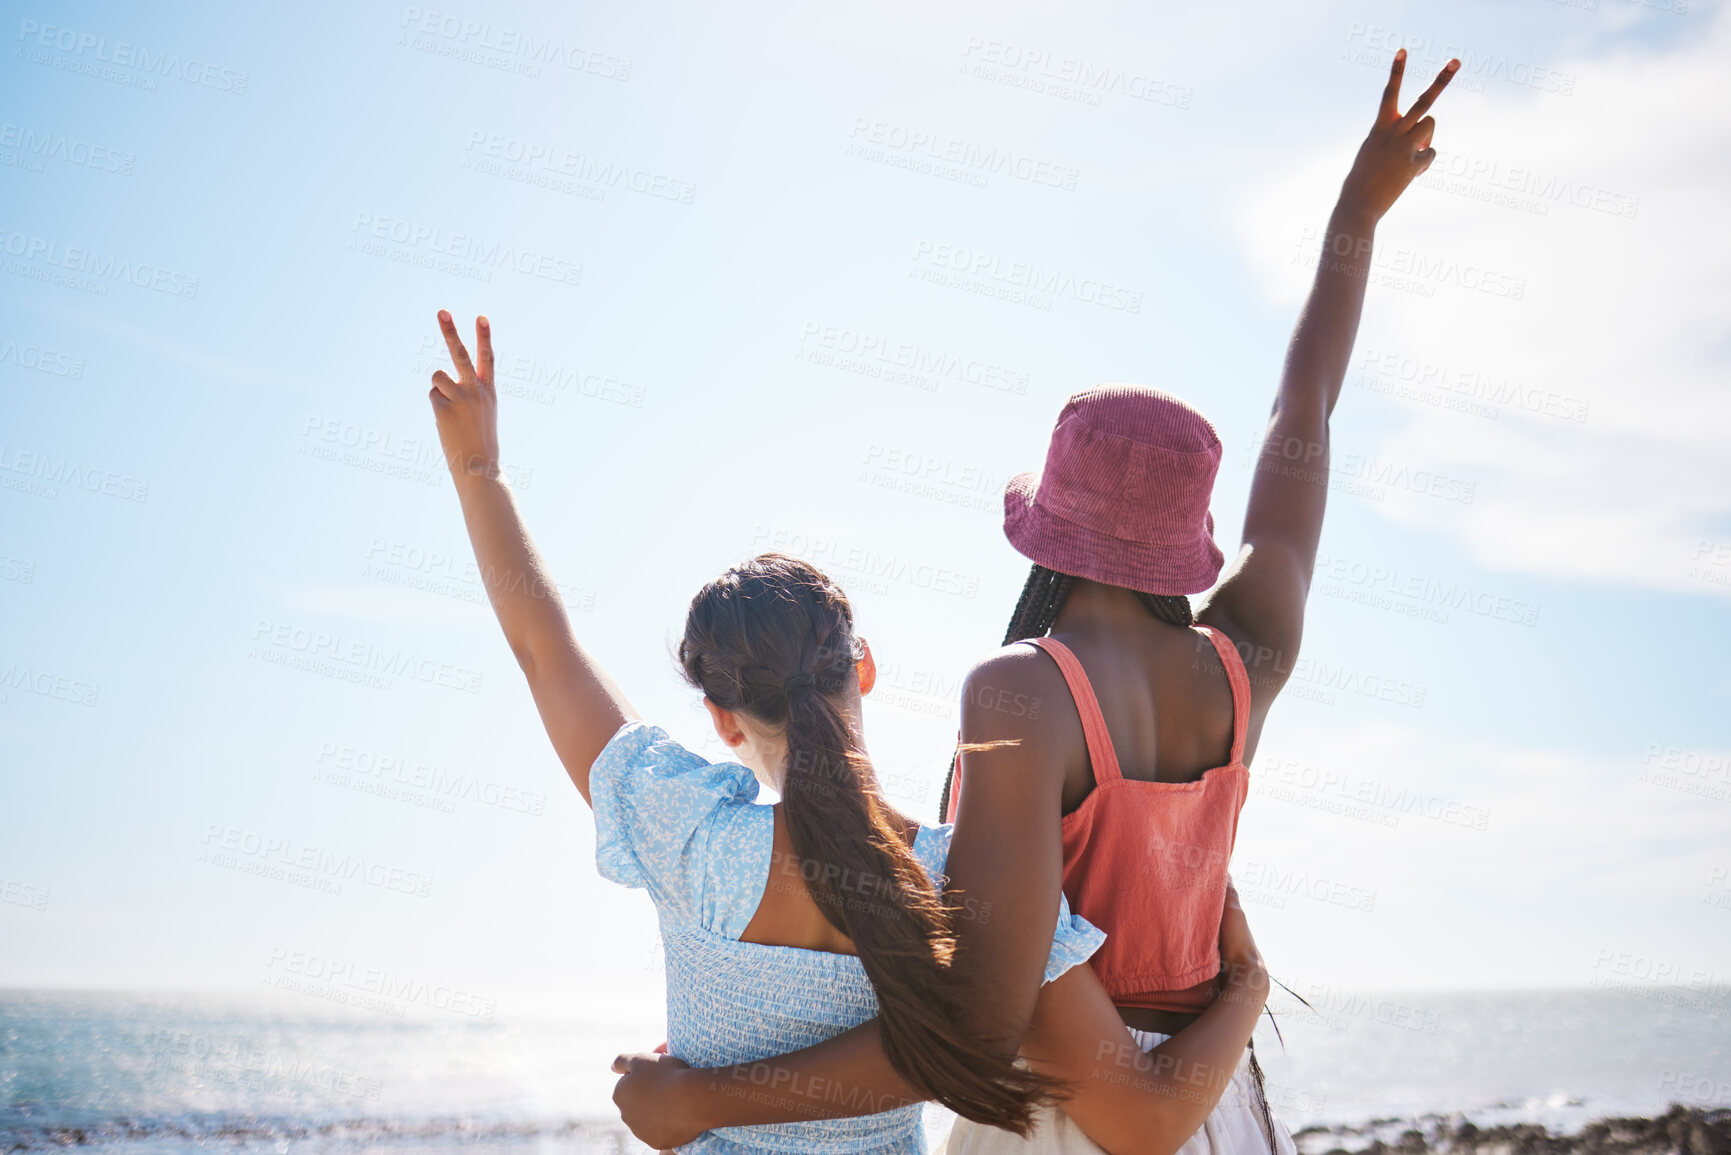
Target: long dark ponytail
point(1037, 609)
point(773, 639)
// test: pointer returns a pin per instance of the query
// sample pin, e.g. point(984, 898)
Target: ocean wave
point(20, 1131)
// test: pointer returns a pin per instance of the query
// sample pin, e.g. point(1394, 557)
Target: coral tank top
point(1146, 861)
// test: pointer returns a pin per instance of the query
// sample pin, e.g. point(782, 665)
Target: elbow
point(1001, 1027)
point(1004, 1039)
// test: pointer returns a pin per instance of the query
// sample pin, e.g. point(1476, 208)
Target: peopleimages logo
point(41, 359)
point(49, 145)
point(23, 894)
point(1070, 76)
point(582, 167)
point(459, 36)
point(1408, 267)
point(431, 242)
point(938, 147)
point(45, 470)
point(317, 651)
point(988, 268)
point(346, 978)
point(78, 48)
point(47, 684)
point(867, 568)
point(228, 846)
point(93, 263)
point(875, 354)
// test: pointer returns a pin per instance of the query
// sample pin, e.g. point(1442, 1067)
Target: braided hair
point(1042, 599)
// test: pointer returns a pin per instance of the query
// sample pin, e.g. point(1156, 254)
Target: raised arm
point(1261, 601)
point(1006, 854)
point(579, 704)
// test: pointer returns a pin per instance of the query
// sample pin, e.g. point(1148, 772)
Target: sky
point(818, 279)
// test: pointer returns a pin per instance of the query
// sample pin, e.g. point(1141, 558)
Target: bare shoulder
point(1020, 734)
point(1012, 683)
point(1018, 695)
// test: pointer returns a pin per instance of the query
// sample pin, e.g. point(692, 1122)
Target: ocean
point(170, 1073)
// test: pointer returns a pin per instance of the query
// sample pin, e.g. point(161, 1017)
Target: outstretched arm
point(1006, 849)
point(579, 704)
point(1261, 601)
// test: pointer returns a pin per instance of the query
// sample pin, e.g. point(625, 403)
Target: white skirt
point(1235, 1126)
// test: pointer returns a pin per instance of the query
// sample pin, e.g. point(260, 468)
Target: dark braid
point(1042, 600)
point(1043, 596)
point(1173, 609)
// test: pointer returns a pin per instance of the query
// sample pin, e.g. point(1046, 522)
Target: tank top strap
point(1240, 680)
point(1100, 751)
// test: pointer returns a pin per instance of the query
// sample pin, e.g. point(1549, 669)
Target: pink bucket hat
point(1124, 495)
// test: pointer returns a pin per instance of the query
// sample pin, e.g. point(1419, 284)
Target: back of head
point(773, 639)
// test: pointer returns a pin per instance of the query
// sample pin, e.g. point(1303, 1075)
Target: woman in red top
point(1124, 790)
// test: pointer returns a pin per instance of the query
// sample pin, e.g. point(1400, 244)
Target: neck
point(1093, 605)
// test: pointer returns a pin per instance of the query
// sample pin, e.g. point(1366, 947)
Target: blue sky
point(777, 277)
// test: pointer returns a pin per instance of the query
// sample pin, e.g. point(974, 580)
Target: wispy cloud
point(1604, 349)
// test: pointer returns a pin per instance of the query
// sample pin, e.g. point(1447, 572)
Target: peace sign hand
point(467, 409)
point(1398, 148)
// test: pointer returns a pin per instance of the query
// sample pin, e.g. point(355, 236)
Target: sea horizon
point(280, 1070)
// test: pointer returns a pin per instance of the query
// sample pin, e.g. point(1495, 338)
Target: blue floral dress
point(692, 833)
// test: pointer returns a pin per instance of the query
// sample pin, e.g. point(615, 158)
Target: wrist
point(475, 467)
point(1246, 985)
point(1244, 970)
point(1353, 217)
point(691, 1100)
point(475, 464)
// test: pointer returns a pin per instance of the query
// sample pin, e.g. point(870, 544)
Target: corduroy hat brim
point(1061, 545)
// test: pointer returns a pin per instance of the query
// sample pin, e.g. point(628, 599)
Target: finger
point(622, 1064)
point(1391, 95)
point(1422, 132)
point(1429, 95)
point(443, 385)
point(484, 348)
point(459, 355)
point(1423, 159)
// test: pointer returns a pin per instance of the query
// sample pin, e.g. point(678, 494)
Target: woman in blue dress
point(786, 925)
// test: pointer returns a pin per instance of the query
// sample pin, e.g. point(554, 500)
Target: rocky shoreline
point(1679, 1131)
